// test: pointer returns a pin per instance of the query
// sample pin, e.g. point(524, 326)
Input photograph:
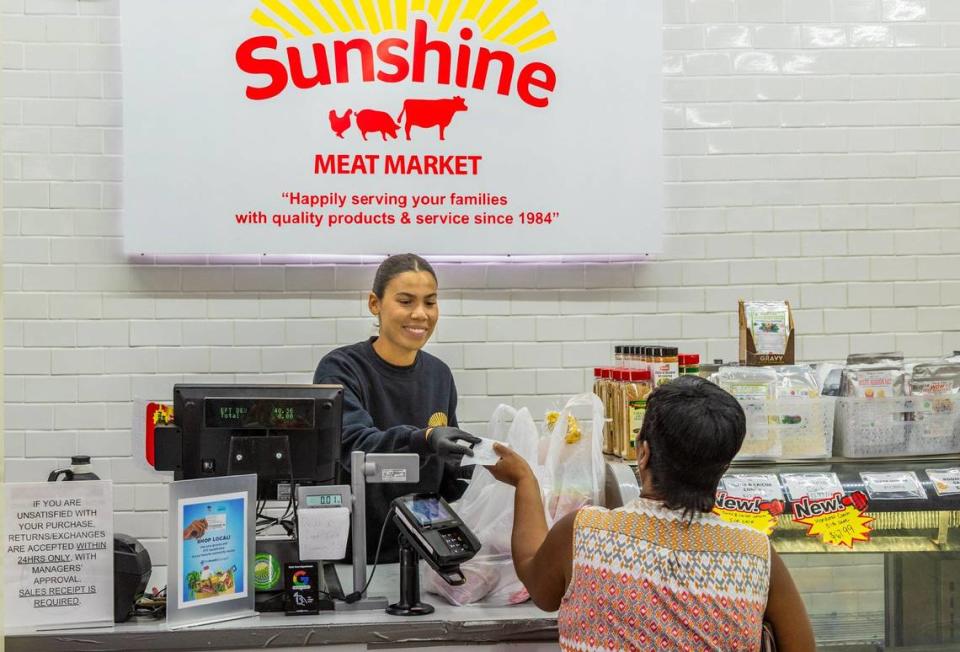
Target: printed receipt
point(483, 453)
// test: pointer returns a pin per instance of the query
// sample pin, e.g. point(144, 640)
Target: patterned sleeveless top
point(645, 579)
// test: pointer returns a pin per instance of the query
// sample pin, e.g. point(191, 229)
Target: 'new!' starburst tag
point(839, 520)
point(754, 512)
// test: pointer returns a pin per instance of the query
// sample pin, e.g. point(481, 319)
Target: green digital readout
point(259, 413)
point(324, 500)
point(284, 414)
point(232, 412)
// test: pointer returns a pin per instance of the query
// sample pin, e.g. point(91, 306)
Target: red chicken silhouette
point(340, 124)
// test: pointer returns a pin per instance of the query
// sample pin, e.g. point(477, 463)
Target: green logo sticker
point(266, 571)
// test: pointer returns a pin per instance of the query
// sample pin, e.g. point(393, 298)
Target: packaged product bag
point(935, 379)
point(873, 358)
point(881, 379)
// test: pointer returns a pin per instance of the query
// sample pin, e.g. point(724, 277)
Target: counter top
point(449, 624)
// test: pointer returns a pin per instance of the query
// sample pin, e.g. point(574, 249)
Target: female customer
point(662, 572)
point(397, 398)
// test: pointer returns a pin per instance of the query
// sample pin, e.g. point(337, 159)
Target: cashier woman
point(398, 398)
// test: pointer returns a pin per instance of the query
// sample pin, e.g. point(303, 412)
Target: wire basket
point(889, 427)
point(795, 428)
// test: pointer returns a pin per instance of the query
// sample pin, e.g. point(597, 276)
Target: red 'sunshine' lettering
point(392, 60)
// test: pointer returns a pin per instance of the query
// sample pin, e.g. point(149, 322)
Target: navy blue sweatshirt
point(387, 409)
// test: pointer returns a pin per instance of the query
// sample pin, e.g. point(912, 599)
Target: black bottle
point(80, 469)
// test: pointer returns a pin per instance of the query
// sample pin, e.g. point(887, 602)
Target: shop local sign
point(352, 127)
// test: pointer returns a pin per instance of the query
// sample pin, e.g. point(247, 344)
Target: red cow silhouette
point(338, 124)
point(430, 113)
point(370, 120)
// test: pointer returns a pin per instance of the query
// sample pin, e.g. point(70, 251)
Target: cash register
point(288, 435)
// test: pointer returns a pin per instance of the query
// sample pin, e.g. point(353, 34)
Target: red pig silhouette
point(369, 120)
point(430, 113)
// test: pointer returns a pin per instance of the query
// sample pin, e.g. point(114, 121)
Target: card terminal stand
point(429, 529)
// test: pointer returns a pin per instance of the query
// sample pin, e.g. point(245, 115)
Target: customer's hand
point(511, 467)
point(443, 442)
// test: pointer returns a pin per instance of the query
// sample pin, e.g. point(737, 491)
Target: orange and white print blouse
point(646, 578)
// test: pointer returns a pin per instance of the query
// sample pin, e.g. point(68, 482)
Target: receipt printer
point(437, 534)
point(131, 572)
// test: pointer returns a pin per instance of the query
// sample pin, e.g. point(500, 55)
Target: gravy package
point(767, 336)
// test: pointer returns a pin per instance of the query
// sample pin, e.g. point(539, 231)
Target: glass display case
point(900, 589)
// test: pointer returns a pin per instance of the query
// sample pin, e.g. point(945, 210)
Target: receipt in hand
point(483, 453)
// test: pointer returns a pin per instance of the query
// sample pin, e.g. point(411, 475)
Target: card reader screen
point(428, 511)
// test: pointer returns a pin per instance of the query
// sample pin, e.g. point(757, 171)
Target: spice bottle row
point(624, 387)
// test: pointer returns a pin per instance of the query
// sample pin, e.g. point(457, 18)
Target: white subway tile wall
point(812, 153)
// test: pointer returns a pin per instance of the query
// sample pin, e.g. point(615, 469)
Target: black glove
point(443, 442)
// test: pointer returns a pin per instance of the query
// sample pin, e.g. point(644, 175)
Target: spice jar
point(618, 355)
point(689, 364)
point(601, 387)
point(635, 389)
point(665, 365)
point(616, 411)
point(646, 358)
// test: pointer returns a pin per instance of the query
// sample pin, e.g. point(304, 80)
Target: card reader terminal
point(435, 531)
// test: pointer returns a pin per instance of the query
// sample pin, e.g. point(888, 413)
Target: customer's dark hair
point(396, 265)
point(694, 429)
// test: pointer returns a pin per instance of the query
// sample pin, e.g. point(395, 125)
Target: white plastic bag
point(574, 459)
point(486, 507)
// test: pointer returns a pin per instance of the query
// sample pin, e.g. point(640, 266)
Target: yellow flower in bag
point(573, 434)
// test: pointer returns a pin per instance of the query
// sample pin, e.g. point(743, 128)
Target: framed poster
point(212, 543)
point(362, 127)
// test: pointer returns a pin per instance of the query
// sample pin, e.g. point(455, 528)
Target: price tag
point(895, 485)
point(946, 482)
point(753, 512)
point(815, 486)
point(749, 485)
point(838, 521)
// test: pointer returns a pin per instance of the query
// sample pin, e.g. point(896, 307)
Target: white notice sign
point(58, 553)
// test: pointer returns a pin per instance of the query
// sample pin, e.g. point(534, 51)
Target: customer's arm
point(785, 611)
point(543, 559)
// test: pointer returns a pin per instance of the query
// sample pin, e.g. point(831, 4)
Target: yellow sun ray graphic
point(517, 23)
point(334, 12)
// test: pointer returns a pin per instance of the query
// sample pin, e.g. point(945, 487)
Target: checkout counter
point(917, 542)
point(523, 627)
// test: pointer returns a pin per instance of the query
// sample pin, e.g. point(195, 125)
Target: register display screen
point(428, 511)
point(259, 413)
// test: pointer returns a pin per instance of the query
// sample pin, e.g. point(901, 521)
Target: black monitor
point(286, 434)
